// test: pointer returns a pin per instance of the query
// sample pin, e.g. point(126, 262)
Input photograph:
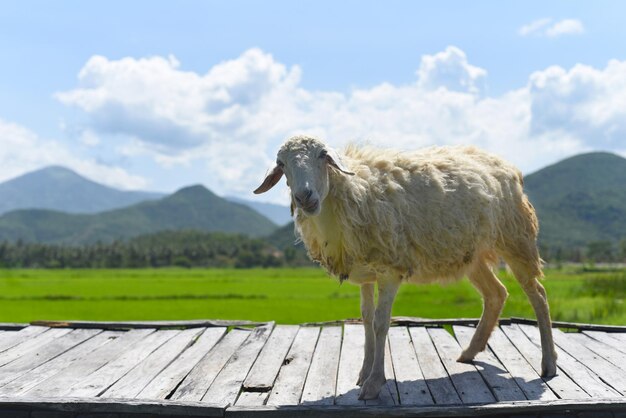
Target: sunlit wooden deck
point(238, 368)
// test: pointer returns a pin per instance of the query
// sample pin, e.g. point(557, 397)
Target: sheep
point(377, 216)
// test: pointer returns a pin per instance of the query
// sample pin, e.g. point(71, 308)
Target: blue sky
point(158, 95)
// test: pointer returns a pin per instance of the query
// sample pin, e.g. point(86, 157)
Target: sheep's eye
point(323, 154)
point(280, 163)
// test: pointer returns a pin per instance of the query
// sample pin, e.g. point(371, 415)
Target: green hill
point(59, 188)
point(580, 200)
point(192, 207)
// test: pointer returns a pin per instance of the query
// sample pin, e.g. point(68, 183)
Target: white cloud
point(534, 27)
point(566, 27)
point(21, 151)
point(546, 27)
point(449, 69)
point(234, 117)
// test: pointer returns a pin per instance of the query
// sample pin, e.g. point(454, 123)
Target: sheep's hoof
point(371, 388)
point(548, 367)
point(362, 377)
point(466, 357)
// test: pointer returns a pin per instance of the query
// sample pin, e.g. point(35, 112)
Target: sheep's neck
point(330, 240)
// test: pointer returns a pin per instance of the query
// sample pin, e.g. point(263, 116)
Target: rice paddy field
point(284, 295)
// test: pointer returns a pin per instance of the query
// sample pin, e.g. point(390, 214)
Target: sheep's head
point(306, 162)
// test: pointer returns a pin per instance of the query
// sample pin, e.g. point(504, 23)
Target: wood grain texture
point(166, 381)
point(523, 373)
point(437, 378)
point(198, 381)
point(320, 385)
point(265, 369)
point(287, 389)
point(131, 384)
point(68, 359)
point(612, 375)
point(34, 358)
point(100, 380)
point(584, 377)
point(31, 345)
point(10, 339)
point(495, 374)
point(411, 385)
point(607, 352)
point(350, 361)
point(228, 383)
point(87, 364)
point(469, 384)
point(561, 384)
point(608, 338)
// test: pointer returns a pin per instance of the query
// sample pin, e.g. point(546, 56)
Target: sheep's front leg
point(387, 290)
point(367, 312)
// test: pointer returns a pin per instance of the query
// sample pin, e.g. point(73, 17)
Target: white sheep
point(438, 214)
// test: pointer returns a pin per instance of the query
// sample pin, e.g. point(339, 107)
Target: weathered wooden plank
point(571, 325)
point(522, 409)
point(522, 372)
point(227, 384)
point(31, 345)
point(350, 361)
point(608, 338)
point(102, 407)
point(612, 375)
point(252, 398)
point(139, 376)
point(27, 381)
point(437, 378)
point(86, 365)
point(197, 382)
point(114, 325)
point(606, 351)
point(468, 382)
point(412, 387)
point(97, 382)
point(166, 381)
point(12, 326)
point(289, 384)
point(265, 369)
point(585, 378)
point(495, 374)
point(12, 338)
point(561, 384)
point(320, 385)
point(42, 354)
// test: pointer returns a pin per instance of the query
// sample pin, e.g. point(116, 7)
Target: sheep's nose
point(303, 196)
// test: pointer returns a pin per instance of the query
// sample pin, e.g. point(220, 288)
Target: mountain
point(279, 214)
point(61, 189)
point(580, 199)
point(193, 207)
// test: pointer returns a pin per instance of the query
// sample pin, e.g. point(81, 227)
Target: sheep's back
point(429, 213)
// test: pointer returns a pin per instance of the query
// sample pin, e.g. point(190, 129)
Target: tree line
point(204, 249)
point(163, 249)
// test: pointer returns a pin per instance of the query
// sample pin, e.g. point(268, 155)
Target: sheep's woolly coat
point(425, 216)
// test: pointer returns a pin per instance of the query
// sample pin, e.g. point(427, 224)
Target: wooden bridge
point(240, 369)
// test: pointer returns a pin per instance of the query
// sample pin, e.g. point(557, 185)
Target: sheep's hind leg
point(494, 295)
point(367, 312)
point(387, 289)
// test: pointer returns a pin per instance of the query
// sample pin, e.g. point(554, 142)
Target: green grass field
point(283, 295)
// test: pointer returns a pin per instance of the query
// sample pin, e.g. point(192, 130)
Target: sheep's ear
point(270, 180)
point(333, 158)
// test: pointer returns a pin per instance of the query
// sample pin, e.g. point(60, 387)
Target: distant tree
point(600, 251)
